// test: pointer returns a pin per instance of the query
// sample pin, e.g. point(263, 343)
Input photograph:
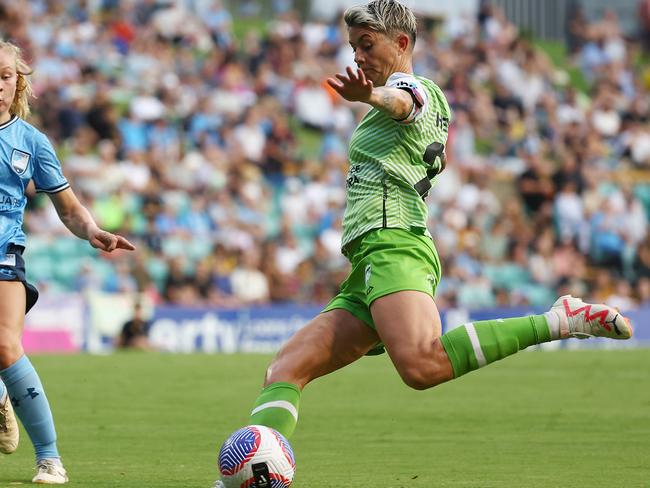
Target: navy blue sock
point(31, 406)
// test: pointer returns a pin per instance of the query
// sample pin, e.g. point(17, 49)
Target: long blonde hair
point(20, 105)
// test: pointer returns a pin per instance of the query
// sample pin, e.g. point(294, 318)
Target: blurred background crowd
point(206, 134)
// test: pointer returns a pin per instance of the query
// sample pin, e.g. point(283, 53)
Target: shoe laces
point(48, 466)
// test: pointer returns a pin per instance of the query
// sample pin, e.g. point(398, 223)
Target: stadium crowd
point(222, 153)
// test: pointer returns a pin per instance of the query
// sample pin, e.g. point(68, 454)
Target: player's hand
point(108, 242)
point(354, 86)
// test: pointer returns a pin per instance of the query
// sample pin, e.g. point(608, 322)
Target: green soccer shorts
point(386, 261)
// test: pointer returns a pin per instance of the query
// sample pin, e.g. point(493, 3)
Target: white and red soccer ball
point(253, 453)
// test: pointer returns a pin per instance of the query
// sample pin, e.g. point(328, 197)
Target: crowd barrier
point(72, 323)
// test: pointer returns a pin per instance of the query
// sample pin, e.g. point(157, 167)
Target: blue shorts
point(12, 268)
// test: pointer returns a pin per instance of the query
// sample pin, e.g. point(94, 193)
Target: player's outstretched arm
point(355, 87)
point(79, 221)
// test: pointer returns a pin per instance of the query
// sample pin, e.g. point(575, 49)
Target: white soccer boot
point(9, 433)
point(219, 484)
point(583, 320)
point(50, 472)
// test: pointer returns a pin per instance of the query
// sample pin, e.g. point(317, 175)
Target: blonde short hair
point(20, 105)
point(385, 16)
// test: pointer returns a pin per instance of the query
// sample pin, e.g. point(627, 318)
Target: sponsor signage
point(265, 329)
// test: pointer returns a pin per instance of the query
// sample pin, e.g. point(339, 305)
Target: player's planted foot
point(583, 320)
point(50, 472)
point(8, 427)
point(219, 484)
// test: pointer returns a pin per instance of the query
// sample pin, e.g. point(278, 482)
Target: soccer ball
point(256, 456)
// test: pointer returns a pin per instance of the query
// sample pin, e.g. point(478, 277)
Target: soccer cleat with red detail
point(584, 320)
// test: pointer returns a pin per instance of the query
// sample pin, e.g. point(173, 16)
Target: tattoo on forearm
point(388, 101)
point(390, 104)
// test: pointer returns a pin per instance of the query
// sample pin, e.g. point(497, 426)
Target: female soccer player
point(388, 297)
point(26, 154)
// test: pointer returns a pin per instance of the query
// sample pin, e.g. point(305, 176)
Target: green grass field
point(552, 419)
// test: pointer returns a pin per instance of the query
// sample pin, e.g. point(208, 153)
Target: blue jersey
point(25, 154)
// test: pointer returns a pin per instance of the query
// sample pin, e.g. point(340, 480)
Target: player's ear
point(403, 42)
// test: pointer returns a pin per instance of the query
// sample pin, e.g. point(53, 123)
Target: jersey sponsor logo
point(7, 203)
point(442, 122)
point(353, 179)
point(19, 161)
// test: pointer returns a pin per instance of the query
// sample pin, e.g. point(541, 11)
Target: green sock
point(277, 407)
point(474, 345)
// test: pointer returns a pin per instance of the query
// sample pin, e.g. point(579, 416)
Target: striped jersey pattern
point(385, 158)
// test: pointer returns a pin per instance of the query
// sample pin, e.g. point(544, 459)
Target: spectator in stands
point(135, 331)
point(178, 288)
point(250, 286)
point(535, 184)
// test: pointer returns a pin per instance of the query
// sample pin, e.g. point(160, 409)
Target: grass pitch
point(541, 419)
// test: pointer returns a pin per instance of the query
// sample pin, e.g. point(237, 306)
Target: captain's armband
point(417, 93)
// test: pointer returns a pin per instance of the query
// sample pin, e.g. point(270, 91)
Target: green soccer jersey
point(386, 161)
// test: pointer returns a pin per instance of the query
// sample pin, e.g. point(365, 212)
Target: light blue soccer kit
point(25, 154)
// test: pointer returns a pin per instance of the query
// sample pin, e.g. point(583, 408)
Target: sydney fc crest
point(19, 161)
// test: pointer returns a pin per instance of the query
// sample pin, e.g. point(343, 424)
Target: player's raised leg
point(329, 342)
point(474, 345)
point(424, 358)
point(23, 385)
